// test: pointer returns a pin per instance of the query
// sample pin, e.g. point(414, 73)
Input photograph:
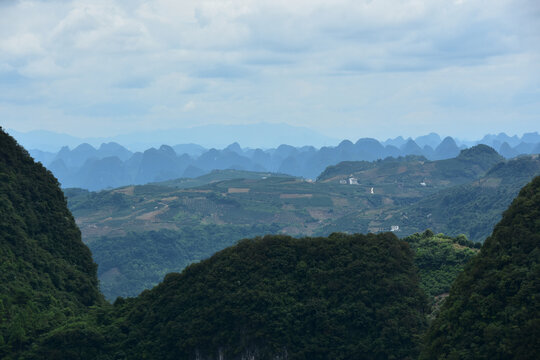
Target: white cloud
point(190, 105)
point(25, 44)
point(335, 66)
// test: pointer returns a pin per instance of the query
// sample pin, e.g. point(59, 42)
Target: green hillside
point(218, 175)
point(137, 261)
point(297, 207)
point(493, 311)
point(186, 225)
point(341, 297)
point(472, 209)
point(336, 297)
point(46, 273)
point(412, 170)
point(440, 259)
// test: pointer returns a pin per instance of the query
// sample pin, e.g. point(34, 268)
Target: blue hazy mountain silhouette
point(113, 165)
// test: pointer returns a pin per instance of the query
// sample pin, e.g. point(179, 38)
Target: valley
point(274, 296)
point(140, 233)
point(269, 180)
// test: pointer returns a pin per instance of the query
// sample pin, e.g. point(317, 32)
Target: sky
point(344, 68)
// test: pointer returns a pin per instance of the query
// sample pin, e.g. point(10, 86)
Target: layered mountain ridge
point(112, 165)
point(340, 297)
point(139, 233)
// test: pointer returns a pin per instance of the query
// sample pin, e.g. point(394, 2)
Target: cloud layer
point(346, 68)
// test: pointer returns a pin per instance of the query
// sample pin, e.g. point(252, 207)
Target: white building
point(394, 228)
point(353, 181)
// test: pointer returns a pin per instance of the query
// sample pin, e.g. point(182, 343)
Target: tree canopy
point(493, 311)
point(46, 272)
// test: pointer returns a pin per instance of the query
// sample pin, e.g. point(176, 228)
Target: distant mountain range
point(207, 135)
point(112, 165)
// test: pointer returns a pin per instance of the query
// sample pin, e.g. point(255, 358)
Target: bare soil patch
point(126, 190)
point(152, 214)
point(295, 196)
point(238, 190)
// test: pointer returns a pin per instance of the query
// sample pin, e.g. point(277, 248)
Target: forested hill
point(277, 297)
point(472, 209)
point(469, 164)
point(493, 311)
point(46, 272)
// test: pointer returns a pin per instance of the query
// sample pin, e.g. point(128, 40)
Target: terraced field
point(139, 233)
point(296, 206)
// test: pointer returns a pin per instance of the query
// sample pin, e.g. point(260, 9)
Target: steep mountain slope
point(46, 272)
point(493, 311)
point(340, 297)
point(446, 149)
point(468, 165)
point(472, 209)
point(432, 140)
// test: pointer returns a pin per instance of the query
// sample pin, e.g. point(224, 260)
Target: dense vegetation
point(46, 272)
point(493, 311)
point(341, 297)
point(138, 261)
point(440, 259)
point(307, 298)
point(472, 209)
point(313, 298)
point(469, 164)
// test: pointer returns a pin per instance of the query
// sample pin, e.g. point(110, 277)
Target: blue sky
point(347, 69)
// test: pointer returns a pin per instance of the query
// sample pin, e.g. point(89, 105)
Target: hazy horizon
point(328, 140)
point(463, 137)
point(215, 136)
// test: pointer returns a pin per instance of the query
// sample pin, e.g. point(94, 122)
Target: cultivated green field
point(139, 233)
